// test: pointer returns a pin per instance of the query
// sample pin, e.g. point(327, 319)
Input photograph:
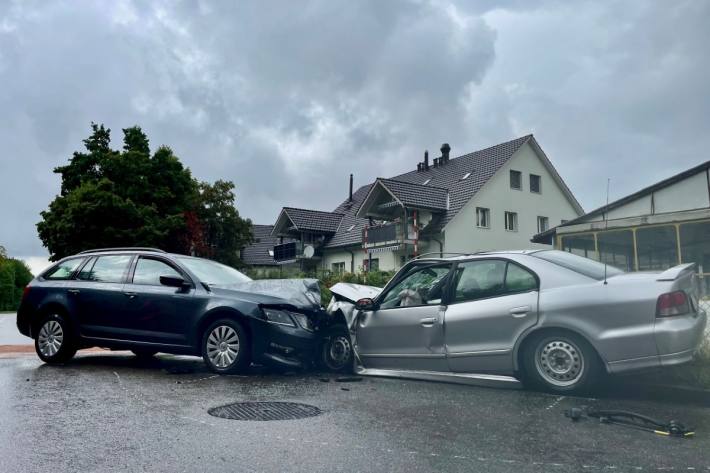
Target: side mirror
point(174, 281)
point(365, 304)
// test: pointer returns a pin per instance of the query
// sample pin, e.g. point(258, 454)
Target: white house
point(494, 198)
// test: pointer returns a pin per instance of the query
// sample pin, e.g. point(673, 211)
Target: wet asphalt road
point(109, 412)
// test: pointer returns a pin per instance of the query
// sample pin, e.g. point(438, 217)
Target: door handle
point(130, 295)
point(73, 291)
point(428, 321)
point(519, 312)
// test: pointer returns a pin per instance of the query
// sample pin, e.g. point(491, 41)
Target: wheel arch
point(536, 331)
point(216, 314)
point(49, 308)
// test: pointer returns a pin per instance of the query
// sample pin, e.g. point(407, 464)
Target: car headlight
point(279, 317)
point(303, 320)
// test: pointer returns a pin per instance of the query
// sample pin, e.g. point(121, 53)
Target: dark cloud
point(287, 98)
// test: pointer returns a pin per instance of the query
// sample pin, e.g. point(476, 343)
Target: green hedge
point(14, 276)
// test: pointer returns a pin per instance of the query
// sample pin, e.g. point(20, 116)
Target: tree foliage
point(129, 197)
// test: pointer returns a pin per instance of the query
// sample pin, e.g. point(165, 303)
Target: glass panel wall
point(657, 247)
point(616, 248)
point(582, 245)
point(695, 248)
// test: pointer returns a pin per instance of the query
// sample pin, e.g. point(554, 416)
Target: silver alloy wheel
point(339, 351)
point(223, 346)
point(50, 338)
point(559, 362)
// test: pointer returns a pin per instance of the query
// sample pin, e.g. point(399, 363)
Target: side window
point(422, 286)
point(479, 279)
point(490, 278)
point(148, 272)
point(107, 269)
point(518, 279)
point(63, 270)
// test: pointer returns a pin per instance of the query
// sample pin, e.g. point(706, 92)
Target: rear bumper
point(677, 341)
point(24, 319)
point(677, 335)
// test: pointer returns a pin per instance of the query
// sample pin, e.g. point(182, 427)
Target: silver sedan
point(551, 319)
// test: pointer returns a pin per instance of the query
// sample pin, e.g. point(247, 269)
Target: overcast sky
point(287, 98)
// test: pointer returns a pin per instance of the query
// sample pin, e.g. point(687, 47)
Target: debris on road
point(632, 420)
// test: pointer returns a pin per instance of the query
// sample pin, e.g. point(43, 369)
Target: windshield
point(213, 273)
point(578, 264)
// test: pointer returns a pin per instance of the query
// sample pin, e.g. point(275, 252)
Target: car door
point(98, 290)
point(404, 331)
point(157, 313)
point(492, 302)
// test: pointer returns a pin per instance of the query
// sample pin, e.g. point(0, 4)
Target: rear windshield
point(578, 264)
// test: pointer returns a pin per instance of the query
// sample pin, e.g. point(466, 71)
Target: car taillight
point(672, 303)
point(25, 291)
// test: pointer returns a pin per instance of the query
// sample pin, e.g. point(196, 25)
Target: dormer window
point(426, 182)
point(465, 176)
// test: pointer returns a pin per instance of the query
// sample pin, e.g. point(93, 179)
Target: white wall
point(388, 260)
point(689, 194)
point(461, 233)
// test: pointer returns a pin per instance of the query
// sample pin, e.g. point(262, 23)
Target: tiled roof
point(313, 220)
point(481, 164)
point(445, 190)
point(417, 195)
point(347, 236)
point(257, 253)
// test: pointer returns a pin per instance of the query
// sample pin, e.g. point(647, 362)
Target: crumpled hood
point(301, 293)
point(354, 292)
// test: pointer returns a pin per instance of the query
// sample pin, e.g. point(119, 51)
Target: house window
point(543, 223)
point(516, 180)
point(483, 217)
point(372, 264)
point(535, 183)
point(339, 268)
point(511, 221)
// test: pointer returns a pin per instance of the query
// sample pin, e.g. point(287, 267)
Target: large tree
point(129, 198)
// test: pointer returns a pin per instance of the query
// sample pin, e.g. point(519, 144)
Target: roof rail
point(123, 248)
point(442, 253)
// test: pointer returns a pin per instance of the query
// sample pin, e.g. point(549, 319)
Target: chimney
point(436, 162)
point(445, 148)
point(419, 166)
point(350, 199)
point(426, 160)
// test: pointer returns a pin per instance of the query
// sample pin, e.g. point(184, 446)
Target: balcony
point(295, 250)
point(387, 234)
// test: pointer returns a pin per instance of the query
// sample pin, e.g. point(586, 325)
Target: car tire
point(144, 353)
point(560, 362)
point(226, 347)
point(336, 350)
point(55, 342)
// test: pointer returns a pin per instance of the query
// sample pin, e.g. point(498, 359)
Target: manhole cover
point(264, 411)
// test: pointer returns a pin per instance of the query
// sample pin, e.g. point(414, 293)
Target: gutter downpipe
point(441, 247)
point(352, 261)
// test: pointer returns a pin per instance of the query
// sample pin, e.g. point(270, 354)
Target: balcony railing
point(295, 250)
point(386, 234)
